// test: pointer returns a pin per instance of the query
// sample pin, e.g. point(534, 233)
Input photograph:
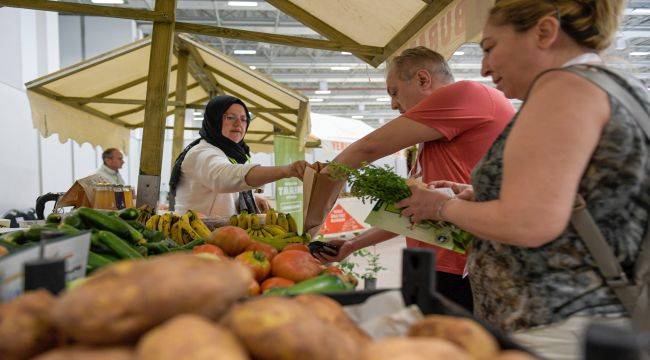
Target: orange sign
point(339, 221)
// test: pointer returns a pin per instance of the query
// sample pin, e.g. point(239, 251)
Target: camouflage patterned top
point(518, 288)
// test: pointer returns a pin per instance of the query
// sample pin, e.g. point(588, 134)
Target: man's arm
point(388, 139)
point(370, 237)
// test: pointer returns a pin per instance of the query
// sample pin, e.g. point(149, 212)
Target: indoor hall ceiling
point(356, 88)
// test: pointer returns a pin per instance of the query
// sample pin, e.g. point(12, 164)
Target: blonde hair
point(591, 23)
point(420, 57)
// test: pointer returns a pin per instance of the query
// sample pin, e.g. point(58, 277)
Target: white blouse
point(210, 183)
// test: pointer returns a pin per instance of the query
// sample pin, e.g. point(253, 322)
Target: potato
point(26, 327)
point(190, 337)
point(86, 353)
point(332, 312)
point(513, 355)
point(466, 333)
point(413, 349)
point(125, 300)
point(277, 328)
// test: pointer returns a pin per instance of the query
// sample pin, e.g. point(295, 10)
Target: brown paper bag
point(320, 192)
point(82, 192)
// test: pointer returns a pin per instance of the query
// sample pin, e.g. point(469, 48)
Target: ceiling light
point(108, 1)
point(316, 100)
point(242, 3)
point(639, 53)
point(357, 116)
point(459, 53)
point(245, 52)
point(252, 67)
point(340, 68)
point(346, 53)
point(323, 92)
point(383, 99)
point(638, 11)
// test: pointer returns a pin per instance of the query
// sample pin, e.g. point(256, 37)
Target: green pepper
point(325, 283)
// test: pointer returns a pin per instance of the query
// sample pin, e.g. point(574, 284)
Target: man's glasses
point(233, 118)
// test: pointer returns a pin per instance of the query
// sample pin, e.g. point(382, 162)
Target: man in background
point(110, 169)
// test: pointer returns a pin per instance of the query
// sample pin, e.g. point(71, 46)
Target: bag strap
point(635, 296)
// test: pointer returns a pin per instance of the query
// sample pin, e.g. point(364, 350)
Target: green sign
point(288, 192)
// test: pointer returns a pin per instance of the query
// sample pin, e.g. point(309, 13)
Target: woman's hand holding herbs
point(424, 203)
point(462, 191)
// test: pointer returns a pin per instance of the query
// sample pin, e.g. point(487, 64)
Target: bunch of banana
point(182, 229)
point(285, 221)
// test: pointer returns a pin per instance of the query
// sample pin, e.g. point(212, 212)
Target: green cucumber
point(190, 245)
point(153, 235)
point(96, 261)
point(129, 214)
point(69, 230)
point(141, 249)
point(157, 247)
point(74, 220)
point(119, 246)
point(53, 218)
point(113, 224)
point(98, 247)
point(325, 283)
point(136, 225)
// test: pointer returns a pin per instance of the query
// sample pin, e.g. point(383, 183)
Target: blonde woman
point(531, 273)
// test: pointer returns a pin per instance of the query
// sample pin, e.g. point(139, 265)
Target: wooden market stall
point(373, 30)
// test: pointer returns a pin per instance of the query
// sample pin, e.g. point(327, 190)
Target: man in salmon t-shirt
point(454, 123)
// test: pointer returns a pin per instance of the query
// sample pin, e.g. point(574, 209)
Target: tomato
point(296, 246)
point(296, 265)
point(254, 288)
point(231, 239)
point(333, 270)
point(257, 262)
point(268, 250)
point(274, 282)
point(209, 249)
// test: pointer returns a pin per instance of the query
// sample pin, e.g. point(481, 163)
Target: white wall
point(34, 44)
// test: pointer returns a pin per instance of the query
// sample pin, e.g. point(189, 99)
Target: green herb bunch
point(373, 183)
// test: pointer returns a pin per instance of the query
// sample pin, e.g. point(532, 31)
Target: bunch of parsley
point(372, 183)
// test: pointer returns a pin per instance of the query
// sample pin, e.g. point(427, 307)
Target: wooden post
point(181, 99)
point(156, 106)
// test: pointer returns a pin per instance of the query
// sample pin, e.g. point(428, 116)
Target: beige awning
point(100, 100)
point(390, 25)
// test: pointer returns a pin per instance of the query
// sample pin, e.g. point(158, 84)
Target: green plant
point(371, 270)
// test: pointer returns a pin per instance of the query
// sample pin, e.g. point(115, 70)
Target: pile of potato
point(183, 306)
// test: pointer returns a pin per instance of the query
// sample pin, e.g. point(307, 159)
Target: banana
point(293, 227)
point(242, 221)
point(275, 229)
point(176, 233)
point(175, 218)
point(187, 227)
point(152, 223)
point(294, 239)
point(307, 238)
point(185, 237)
point(167, 224)
point(255, 222)
point(233, 220)
point(266, 233)
point(198, 225)
point(282, 221)
point(274, 218)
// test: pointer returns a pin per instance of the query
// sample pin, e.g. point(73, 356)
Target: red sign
point(339, 221)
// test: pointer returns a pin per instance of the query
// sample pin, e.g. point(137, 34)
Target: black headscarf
point(211, 132)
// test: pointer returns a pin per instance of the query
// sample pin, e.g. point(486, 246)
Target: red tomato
point(208, 248)
point(274, 282)
point(296, 246)
point(257, 262)
point(296, 265)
